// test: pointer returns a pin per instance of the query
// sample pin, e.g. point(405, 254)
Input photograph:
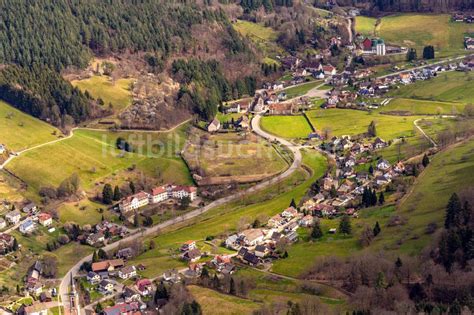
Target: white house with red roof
point(180, 192)
point(45, 219)
point(159, 194)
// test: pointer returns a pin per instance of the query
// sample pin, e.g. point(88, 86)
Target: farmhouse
point(283, 108)
point(252, 237)
point(214, 125)
point(45, 219)
point(13, 217)
point(192, 255)
point(30, 208)
point(127, 272)
point(374, 46)
point(329, 70)
point(107, 265)
point(188, 245)
point(134, 202)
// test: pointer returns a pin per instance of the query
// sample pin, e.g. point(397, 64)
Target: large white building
point(134, 202)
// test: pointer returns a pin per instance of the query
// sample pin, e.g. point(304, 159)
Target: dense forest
point(44, 94)
point(204, 86)
point(268, 5)
point(42, 38)
point(63, 33)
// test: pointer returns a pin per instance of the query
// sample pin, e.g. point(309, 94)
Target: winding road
point(64, 286)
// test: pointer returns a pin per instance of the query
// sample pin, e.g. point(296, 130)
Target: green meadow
point(405, 106)
point(418, 30)
point(93, 156)
point(286, 126)
point(455, 86)
point(19, 131)
point(116, 93)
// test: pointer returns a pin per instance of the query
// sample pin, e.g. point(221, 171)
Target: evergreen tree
point(293, 203)
point(136, 220)
point(161, 292)
point(453, 212)
point(371, 169)
point(371, 130)
point(232, 286)
point(376, 229)
point(95, 257)
point(117, 193)
point(196, 308)
point(425, 161)
point(132, 187)
point(398, 263)
point(99, 308)
point(411, 54)
point(345, 226)
point(107, 194)
point(102, 254)
point(380, 281)
point(216, 284)
point(316, 231)
point(428, 52)
point(381, 198)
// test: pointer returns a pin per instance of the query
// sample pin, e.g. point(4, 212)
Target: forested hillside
point(64, 33)
point(42, 38)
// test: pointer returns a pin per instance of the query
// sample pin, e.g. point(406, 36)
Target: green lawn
point(263, 37)
point(350, 122)
point(82, 212)
point(405, 106)
point(226, 304)
point(301, 89)
point(223, 220)
point(419, 30)
point(118, 93)
point(365, 25)
point(92, 155)
point(447, 87)
point(286, 126)
point(19, 131)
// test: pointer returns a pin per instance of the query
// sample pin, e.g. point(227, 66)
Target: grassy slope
point(118, 94)
point(422, 107)
point(89, 150)
point(263, 37)
point(224, 219)
point(365, 25)
point(286, 126)
point(418, 30)
point(32, 132)
point(447, 87)
point(213, 302)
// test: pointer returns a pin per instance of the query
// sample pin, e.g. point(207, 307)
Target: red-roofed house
point(181, 192)
point(144, 286)
point(45, 219)
point(159, 194)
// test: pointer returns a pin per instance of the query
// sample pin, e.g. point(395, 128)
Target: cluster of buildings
point(255, 245)
point(242, 123)
point(102, 232)
point(7, 243)
point(157, 195)
point(33, 284)
point(342, 191)
point(463, 17)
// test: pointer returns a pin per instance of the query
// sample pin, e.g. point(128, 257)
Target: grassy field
point(19, 131)
point(118, 94)
point(419, 30)
point(447, 87)
point(92, 155)
point(350, 122)
point(213, 302)
point(301, 89)
point(224, 220)
point(286, 126)
point(449, 171)
point(405, 106)
point(264, 37)
point(229, 154)
point(365, 25)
